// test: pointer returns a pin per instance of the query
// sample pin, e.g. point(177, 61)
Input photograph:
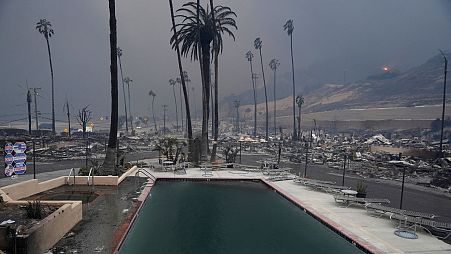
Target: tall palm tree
point(194, 101)
point(45, 28)
point(274, 64)
point(187, 80)
point(249, 57)
point(119, 55)
point(212, 108)
point(109, 165)
point(179, 81)
point(127, 81)
point(173, 83)
point(152, 94)
point(289, 28)
point(215, 118)
point(197, 31)
point(258, 46)
point(185, 93)
point(299, 102)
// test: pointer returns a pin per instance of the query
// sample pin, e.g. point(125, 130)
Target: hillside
point(421, 85)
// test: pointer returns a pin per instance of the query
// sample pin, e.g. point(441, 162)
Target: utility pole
point(35, 93)
point(442, 155)
point(66, 106)
point(164, 119)
point(127, 80)
point(29, 111)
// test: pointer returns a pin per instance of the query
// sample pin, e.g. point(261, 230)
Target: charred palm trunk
point(212, 108)
point(294, 89)
point(205, 98)
point(109, 165)
point(216, 113)
point(299, 122)
point(181, 107)
point(53, 89)
point(274, 102)
point(266, 95)
point(185, 94)
point(255, 100)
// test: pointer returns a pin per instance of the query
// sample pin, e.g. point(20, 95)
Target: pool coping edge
point(122, 230)
point(352, 238)
point(349, 236)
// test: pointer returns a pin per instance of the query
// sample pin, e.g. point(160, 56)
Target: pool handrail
point(91, 176)
point(152, 177)
point(72, 170)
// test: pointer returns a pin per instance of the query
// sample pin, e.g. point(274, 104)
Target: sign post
point(15, 158)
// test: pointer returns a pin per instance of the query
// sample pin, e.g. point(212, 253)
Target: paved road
point(415, 198)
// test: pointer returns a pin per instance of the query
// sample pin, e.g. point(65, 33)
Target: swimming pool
point(226, 217)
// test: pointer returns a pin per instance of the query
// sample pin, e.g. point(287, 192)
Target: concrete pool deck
point(374, 233)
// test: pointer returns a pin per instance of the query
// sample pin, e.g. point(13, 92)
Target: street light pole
point(164, 119)
point(402, 186)
point(34, 159)
point(442, 155)
point(344, 170)
point(306, 160)
point(29, 111)
point(127, 80)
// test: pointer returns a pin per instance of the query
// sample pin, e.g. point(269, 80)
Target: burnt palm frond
point(289, 27)
point(45, 27)
point(187, 30)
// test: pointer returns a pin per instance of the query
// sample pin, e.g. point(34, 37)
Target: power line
point(13, 121)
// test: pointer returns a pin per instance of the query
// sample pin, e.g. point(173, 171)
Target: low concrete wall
point(129, 172)
point(51, 184)
point(51, 229)
point(28, 188)
point(20, 190)
point(4, 196)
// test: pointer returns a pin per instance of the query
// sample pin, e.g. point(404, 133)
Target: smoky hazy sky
point(330, 36)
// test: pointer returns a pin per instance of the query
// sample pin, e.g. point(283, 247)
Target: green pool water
point(226, 217)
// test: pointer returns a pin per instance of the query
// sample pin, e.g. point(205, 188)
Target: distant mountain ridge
point(421, 85)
